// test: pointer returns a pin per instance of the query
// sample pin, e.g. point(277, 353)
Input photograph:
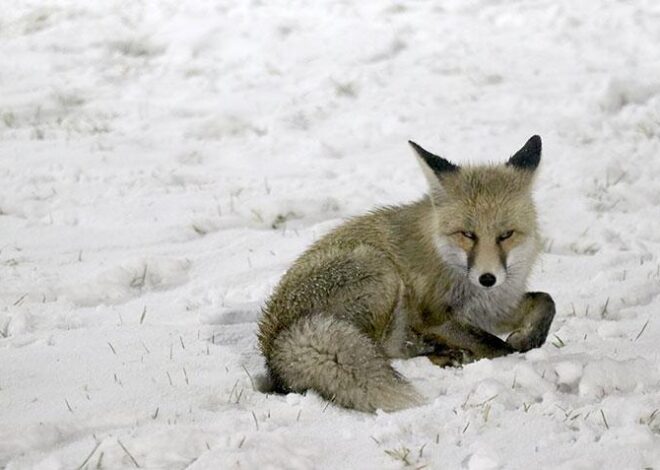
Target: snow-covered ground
point(162, 162)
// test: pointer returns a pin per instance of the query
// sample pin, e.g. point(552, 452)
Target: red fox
point(440, 277)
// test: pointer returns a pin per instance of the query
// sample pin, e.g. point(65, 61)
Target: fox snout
point(486, 266)
point(482, 262)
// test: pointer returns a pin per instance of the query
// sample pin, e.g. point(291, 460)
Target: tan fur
point(391, 284)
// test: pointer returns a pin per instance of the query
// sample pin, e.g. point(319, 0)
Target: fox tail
point(332, 357)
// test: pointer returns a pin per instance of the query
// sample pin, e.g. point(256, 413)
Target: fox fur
point(440, 277)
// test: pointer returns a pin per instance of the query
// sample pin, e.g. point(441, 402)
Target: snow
point(163, 162)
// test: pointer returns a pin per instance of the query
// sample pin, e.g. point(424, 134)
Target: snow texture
point(163, 162)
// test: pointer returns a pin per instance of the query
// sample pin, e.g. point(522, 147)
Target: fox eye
point(470, 235)
point(505, 235)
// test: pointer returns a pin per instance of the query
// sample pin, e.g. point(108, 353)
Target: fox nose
point(487, 280)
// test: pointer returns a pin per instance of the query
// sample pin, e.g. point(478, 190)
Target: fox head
point(484, 221)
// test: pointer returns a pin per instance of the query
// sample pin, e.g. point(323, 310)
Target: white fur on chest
point(486, 308)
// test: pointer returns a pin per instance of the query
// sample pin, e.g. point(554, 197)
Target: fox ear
point(529, 156)
point(437, 164)
point(433, 166)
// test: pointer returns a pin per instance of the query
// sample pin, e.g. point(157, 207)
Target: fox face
point(484, 223)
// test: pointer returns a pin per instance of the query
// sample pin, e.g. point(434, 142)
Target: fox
point(443, 277)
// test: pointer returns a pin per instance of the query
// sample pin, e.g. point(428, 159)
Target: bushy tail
point(340, 363)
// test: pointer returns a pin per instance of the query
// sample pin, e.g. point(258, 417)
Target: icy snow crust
point(162, 163)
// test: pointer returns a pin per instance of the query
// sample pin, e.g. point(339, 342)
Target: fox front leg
point(536, 312)
point(458, 343)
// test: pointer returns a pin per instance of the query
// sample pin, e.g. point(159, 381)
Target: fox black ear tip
point(529, 156)
point(534, 143)
point(413, 144)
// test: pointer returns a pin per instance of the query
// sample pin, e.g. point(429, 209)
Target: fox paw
point(451, 358)
point(524, 340)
